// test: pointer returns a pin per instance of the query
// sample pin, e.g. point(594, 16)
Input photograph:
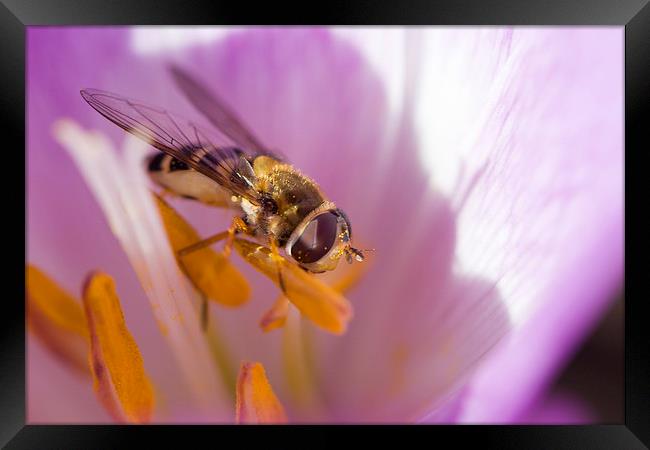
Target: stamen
point(211, 272)
point(256, 403)
point(57, 319)
point(118, 371)
point(275, 317)
point(317, 301)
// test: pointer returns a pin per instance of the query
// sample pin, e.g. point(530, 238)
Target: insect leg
point(192, 248)
point(278, 258)
point(237, 225)
point(166, 193)
point(202, 244)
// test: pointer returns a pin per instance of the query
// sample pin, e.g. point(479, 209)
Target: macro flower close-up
point(481, 175)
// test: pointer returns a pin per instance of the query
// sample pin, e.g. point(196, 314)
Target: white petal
point(162, 40)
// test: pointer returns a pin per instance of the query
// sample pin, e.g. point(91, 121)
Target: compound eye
point(316, 240)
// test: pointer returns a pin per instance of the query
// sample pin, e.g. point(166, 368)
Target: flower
point(484, 165)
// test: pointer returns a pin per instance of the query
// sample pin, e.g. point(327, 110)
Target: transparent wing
point(217, 112)
point(209, 153)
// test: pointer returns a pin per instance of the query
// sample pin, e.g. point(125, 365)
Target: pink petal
point(551, 203)
point(57, 395)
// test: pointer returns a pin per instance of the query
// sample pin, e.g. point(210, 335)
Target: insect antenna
point(352, 254)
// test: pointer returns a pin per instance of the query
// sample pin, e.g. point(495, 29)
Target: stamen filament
point(256, 402)
point(300, 377)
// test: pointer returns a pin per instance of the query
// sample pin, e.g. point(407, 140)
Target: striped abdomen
point(178, 177)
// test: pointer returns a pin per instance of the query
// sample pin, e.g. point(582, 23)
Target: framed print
point(410, 223)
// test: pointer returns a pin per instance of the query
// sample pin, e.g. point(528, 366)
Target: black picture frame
point(16, 15)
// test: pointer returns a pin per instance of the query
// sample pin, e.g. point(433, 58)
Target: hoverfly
point(275, 204)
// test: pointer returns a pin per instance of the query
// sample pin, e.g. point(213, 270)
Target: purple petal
point(545, 217)
point(55, 394)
